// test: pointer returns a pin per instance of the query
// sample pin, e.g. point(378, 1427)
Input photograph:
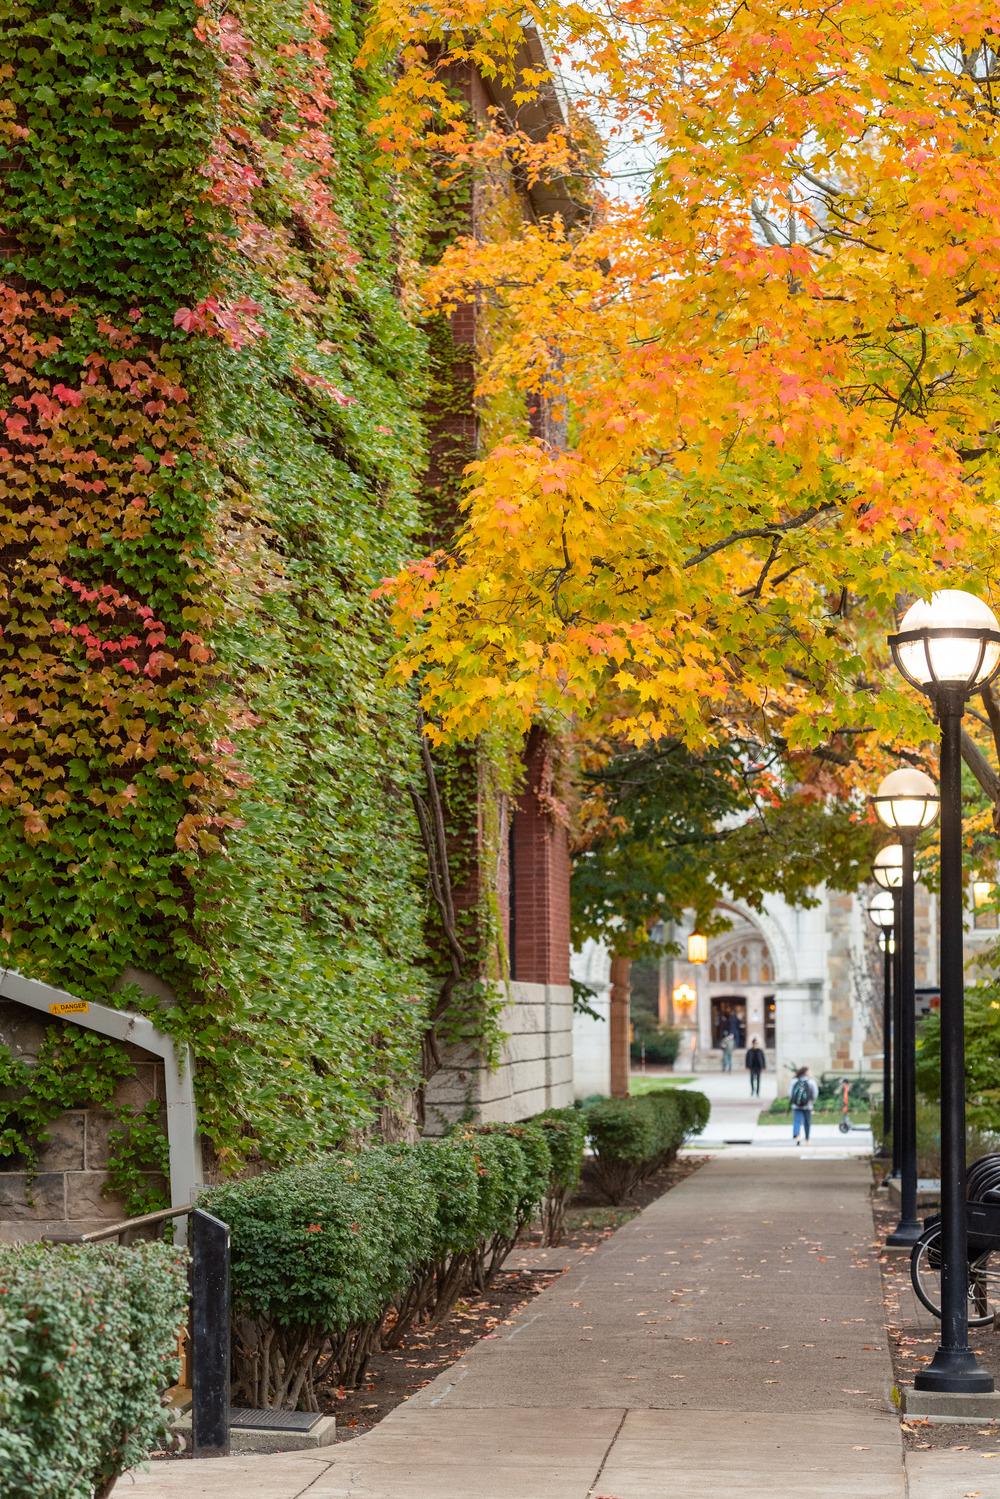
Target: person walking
point(756, 1062)
point(803, 1094)
point(728, 1047)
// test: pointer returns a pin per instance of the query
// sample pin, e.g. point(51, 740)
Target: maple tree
point(774, 340)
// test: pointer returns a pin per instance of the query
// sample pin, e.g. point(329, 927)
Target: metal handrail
point(115, 1230)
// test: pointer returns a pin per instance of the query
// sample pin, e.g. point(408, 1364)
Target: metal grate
point(242, 1419)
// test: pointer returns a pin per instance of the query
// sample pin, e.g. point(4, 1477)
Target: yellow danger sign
point(71, 1007)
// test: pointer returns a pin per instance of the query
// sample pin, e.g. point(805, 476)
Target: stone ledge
point(928, 1192)
point(247, 1440)
point(950, 1410)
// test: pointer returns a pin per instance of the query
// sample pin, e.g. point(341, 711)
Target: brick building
point(524, 865)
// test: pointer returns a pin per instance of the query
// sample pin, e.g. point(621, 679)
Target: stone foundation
point(535, 1071)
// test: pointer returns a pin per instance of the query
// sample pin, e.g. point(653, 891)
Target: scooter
point(845, 1126)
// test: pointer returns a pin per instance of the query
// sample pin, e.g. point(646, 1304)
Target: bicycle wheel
point(984, 1278)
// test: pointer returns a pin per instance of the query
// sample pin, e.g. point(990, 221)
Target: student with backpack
point(804, 1092)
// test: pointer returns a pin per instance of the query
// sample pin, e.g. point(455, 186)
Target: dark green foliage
point(659, 1043)
point(676, 828)
point(88, 1344)
point(511, 1170)
point(982, 1050)
point(457, 1227)
point(319, 1254)
point(566, 1133)
point(632, 1138)
point(694, 1108)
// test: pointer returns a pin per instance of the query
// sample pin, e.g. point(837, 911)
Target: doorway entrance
point(729, 1017)
point(770, 1022)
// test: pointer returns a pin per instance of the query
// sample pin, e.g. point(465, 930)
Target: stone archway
point(737, 985)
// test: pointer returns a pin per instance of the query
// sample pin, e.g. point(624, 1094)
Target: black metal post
point(209, 1335)
point(954, 1368)
point(908, 1229)
point(896, 992)
point(887, 1040)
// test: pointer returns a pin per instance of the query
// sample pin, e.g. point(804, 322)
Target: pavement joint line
point(324, 1470)
point(607, 1453)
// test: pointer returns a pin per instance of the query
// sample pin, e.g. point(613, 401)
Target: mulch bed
point(589, 1195)
point(912, 1341)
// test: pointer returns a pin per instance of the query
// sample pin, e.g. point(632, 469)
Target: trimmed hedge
point(566, 1133)
point(522, 1162)
point(632, 1138)
point(334, 1260)
point(88, 1344)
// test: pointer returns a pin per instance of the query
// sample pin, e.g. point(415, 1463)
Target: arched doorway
point(738, 983)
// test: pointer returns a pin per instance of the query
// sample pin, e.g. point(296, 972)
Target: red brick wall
point(540, 894)
point(539, 923)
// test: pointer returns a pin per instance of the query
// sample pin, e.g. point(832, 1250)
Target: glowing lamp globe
point(951, 640)
point(882, 910)
point(697, 948)
point(888, 867)
point(907, 799)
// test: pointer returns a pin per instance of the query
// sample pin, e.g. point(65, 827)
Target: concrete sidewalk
point(733, 1122)
point(727, 1341)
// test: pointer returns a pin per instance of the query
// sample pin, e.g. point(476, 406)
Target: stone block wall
point(63, 1193)
point(535, 1071)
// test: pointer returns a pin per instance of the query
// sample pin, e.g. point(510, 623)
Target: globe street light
point(887, 871)
point(949, 647)
point(906, 800)
point(882, 911)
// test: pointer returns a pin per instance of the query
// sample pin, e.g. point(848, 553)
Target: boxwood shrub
point(319, 1255)
point(566, 1133)
point(632, 1138)
point(333, 1260)
point(514, 1166)
point(88, 1344)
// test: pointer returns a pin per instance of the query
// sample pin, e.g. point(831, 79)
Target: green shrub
point(566, 1133)
point(982, 1047)
point(632, 1138)
point(319, 1255)
point(514, 1176)
point(695, 1110)
point(658, 1043)
point(623, 1137)
point(88, 1344)
point(451, 1167)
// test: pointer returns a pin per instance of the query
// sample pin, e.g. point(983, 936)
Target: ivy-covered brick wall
point(209, 445)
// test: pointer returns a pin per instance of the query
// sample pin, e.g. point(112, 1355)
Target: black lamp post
point(949, 648)
point(881, 910)
point(907, 802)
point(887, 871)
